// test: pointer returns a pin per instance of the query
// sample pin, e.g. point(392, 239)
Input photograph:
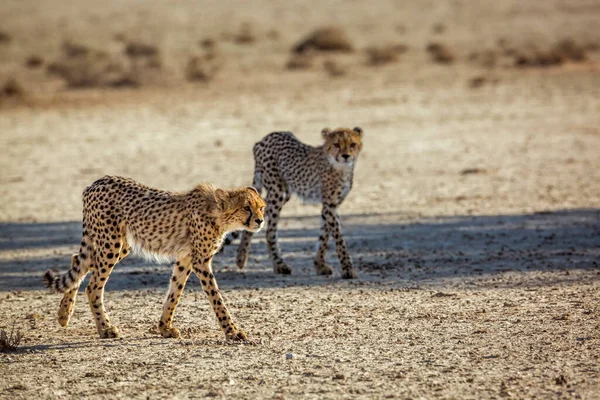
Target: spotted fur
point(120, 214)
point(323, 174)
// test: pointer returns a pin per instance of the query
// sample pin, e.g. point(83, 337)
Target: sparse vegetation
point(441, 53)
point(9, 341)
point(202, 68)
point(563, 51)
point(385, 54)
point(5, 37)
point(34, 61)
point(140, 49)
point(244, 35)
point(325, 39)
point(11, 88)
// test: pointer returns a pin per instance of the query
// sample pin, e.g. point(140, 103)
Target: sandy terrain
point(474, 221)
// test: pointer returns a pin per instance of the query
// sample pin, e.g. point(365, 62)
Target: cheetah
point(323, 174)
point(120, 215)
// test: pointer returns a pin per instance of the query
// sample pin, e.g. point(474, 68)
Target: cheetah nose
point(345, 156)
point(258, 221)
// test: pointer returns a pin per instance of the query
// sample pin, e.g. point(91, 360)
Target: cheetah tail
point(69, 280)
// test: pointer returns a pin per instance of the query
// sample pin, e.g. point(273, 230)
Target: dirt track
point(474, 221)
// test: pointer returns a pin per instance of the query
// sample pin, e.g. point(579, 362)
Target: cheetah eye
point(353, 145)
point(336, 145)
point(247, 208)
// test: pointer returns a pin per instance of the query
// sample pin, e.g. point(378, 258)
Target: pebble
point(289, 356)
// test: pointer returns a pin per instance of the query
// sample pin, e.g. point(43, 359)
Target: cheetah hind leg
point(67, 304)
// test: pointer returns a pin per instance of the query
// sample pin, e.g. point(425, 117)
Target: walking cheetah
point(284, 165)
point(119, 213)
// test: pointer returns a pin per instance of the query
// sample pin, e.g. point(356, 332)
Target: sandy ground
point(474, 221)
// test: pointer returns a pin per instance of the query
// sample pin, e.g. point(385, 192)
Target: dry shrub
point(5, 37)
point(441, 53)
point(472, 171)
point(11, 88)
point(140, 49)
point(125, 81)
point(477, 82)
point(82, 67)
point(74, 50)
point(325, 39)
point(333, 68)
point(202, 68)
point(592, 46)
point(89, 69)
point(563, 51)
point(244, 35)
point(569, 49)
point(487, 58)
point(385, 54)
point(208, 44)
point(300, 61)
point(9, 341)
point(34, 61)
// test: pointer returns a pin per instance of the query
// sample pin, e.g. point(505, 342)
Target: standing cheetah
point(119, 213)
point(284, 165)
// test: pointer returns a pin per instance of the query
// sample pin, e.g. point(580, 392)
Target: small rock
point(290, 356)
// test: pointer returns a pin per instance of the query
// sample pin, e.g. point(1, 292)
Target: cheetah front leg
point(274, 205)
point(320, 266)
point(333, 220)
point(181, 273)
point(202, 268)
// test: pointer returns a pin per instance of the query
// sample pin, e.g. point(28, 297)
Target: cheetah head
point(342, 145)
point(242, 209)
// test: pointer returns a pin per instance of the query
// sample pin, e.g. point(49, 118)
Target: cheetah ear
point(221, 196)
point(325, 132)
point(358, 130)
point(253, 189)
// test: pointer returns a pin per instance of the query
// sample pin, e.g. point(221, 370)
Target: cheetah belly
point(310, 192)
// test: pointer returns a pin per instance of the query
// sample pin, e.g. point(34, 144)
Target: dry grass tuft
point(325, 39)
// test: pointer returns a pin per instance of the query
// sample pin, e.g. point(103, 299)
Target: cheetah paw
point(109, 333)
point(170, 332)
point(349, 274)
point(282, 268)
point(237, 336)
point(323, 269)
point(64, 316)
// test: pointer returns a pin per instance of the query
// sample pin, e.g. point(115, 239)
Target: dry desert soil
point(473, 223)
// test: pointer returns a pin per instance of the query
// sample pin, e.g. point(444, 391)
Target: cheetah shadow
point(395, 248)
